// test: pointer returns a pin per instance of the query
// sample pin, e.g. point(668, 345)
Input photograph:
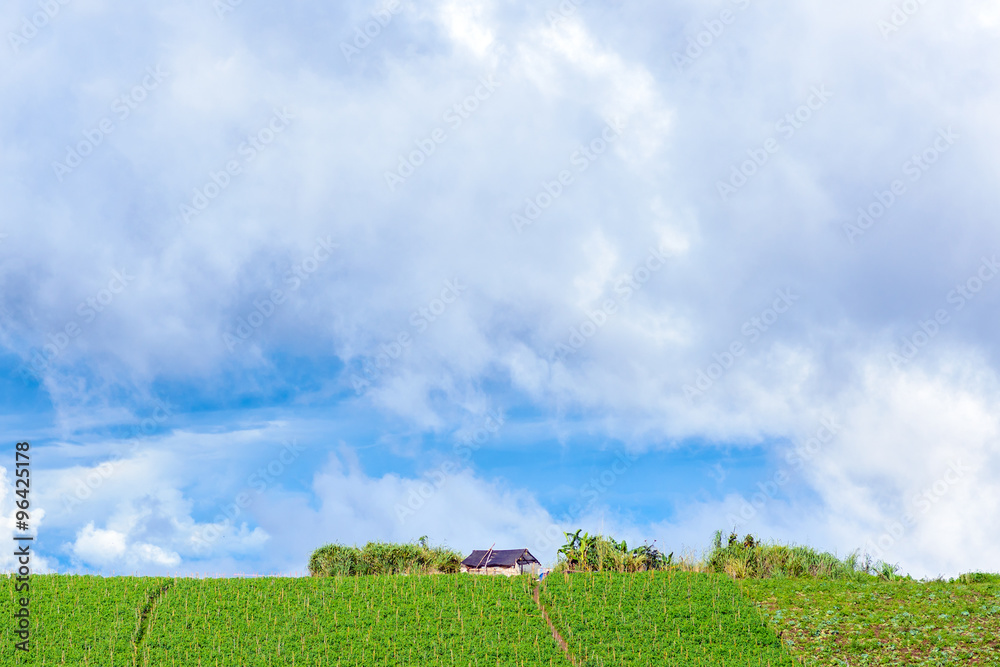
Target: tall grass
point(383, 558)
point(750, 558)
point(977, 578)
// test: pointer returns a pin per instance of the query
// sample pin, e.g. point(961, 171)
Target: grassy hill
point(879, 622)
point(759, 605)
point(365, 620)
point(660, 619)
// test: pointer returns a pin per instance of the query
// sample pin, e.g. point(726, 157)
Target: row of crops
point(607, 619)
point(426, 620)
point(660, 618)
point(653, 618)
point(370, 620)
point(80, 620)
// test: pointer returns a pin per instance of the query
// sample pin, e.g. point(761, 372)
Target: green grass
point(333, 560)
point(659, 618)
point(78, 620)
point(368, 620)
point(753, 559)
point(902, 622)
point(844, 617)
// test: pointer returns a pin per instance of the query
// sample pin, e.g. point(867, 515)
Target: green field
point(901, 622)
point(369, 620)
point(79, 620)
point(647, 618)
point(660, 618)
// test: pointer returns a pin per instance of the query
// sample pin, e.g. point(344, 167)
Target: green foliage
point(977, 578)
point(659, 618)
point(79, 620)
point(383, 558)
point(366, 620)
point(597, 553)
point(663, 618)
point(751, 558)
point(877, 622)
point(887, 571)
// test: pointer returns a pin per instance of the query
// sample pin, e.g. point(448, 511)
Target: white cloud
point(466, 25)
point(99, 547)
point(655, 187)
point(465, 512)
point(909, 476)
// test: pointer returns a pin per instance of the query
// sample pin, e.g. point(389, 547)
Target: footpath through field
point(659, 619)
point(607, 620)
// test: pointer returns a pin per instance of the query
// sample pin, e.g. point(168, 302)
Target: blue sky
point(484, 271)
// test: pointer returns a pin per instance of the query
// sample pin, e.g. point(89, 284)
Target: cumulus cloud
point(174, 256)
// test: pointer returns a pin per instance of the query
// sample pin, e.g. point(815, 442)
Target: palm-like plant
point(584, 552)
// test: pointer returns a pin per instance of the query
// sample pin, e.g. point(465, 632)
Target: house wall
point(529, 568)
point(506, 571)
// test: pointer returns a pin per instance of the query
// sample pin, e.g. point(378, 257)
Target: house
point(501, 561)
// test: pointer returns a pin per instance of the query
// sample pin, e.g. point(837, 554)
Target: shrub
point(333, 560)
point(978, 578)
point(597, 553)
point(751, 558)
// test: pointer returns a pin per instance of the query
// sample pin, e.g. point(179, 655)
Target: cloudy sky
point(277, 276)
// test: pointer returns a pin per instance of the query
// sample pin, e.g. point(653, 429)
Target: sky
point(276, 276)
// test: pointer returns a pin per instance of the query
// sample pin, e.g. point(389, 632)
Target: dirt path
point(555, 633)
point(144, 618)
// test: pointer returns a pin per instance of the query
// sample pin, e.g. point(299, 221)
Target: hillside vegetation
point(744, 603)
point(383, 558)
point(366, 620)
point(80, 620)
point(660, 619)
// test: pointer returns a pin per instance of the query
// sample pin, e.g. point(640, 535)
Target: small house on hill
point(501, 561)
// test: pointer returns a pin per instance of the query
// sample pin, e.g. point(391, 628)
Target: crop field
point(660, 618)
point(607, 619)
point(80, 620)
point(369, 620)
point(902, 622)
